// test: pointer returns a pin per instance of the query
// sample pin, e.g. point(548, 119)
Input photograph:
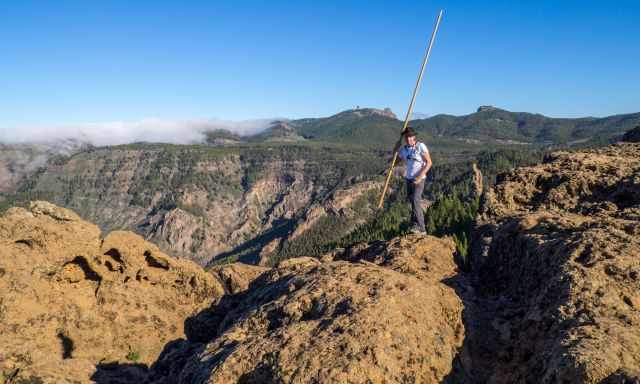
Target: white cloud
point(123, 132)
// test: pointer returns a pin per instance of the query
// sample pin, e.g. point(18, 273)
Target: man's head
point(410, 136)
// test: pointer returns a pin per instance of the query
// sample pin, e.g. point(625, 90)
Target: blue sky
point(67, 62)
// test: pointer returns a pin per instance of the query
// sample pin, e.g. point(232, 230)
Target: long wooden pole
point(413, 100)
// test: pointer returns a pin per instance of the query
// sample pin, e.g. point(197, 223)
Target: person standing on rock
point(419, 162)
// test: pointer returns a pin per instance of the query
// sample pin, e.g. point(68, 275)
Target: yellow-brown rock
point(558, 256)
point(386, 316)
point(236, 277)
point(71, 301)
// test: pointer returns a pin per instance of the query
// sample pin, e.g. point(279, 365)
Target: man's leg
point(410, 193)
point(409, 185)
point(416, 205)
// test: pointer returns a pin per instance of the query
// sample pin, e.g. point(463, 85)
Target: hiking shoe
point(416, 230)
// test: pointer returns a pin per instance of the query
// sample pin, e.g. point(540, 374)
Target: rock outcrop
point(382, 314)
point(236, 277)
point(477, 181)
point(74, 306)
point(557, 262)
point(363, 112)
point(485, 108)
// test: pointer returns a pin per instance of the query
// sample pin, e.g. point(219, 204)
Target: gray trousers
point(414, 196)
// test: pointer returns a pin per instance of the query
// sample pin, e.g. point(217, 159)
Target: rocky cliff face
point(196, 201)
point(477, 181)
point(557, 265)
point(73, 304)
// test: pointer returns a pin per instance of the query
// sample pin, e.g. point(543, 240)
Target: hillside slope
point(487, 126)
point(256, 203)
point(19, 161)
point(366, 126)
point(490, 124)
point(201, 201)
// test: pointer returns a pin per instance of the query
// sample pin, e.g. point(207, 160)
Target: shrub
point(133, 356)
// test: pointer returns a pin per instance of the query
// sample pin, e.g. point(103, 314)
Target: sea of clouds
point(124, 132)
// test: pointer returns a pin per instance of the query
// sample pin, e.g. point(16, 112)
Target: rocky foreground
point(553, 297)
point(557, 271)
point(71, 300)
point(80, 308)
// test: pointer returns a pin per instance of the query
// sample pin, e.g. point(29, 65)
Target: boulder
point(73, 304)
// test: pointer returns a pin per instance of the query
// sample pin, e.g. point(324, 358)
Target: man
point(419, 162)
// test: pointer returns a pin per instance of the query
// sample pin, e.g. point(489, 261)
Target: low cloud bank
point(123, 132)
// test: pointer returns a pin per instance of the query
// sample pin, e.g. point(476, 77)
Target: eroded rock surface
point(386, 315)
point(558, 264)
point(236, 277)
point(71, 300)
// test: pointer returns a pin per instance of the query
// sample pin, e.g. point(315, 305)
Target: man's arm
point(426, 167)
point(397, 148)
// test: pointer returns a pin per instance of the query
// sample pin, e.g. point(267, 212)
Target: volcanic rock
point(557, 260)
point(386, 315)
point(236, 277)
point(73, 305)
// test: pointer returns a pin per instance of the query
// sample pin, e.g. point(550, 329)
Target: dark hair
point(409, 132)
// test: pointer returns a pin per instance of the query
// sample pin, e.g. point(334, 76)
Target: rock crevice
point(555, 250)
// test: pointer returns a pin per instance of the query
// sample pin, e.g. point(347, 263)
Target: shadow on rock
point(203, 328)
point(307, 321)
point(115, 373)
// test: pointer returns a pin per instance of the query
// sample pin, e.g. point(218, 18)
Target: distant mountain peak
point(486, 108)
point(280, 130)
point(365, 112)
